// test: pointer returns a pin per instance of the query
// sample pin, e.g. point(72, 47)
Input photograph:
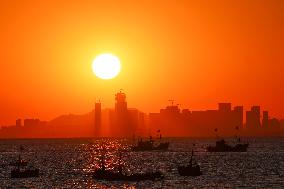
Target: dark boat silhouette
point(150, 146)
point(24, 173)
point(108, 175)
point(22, 170)
point(190, 169)
point(222, 146)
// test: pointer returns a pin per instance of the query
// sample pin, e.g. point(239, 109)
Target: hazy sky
point(196, 52)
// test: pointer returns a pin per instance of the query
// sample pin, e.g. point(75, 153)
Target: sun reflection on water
point(114, 152)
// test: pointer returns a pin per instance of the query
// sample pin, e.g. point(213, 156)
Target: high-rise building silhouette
point(253, 118)
point(98, 119)
point(174, 122)
point(124, 121)
point(120, 102)
point(18, 122)
point(265, 119)
point(239, 116)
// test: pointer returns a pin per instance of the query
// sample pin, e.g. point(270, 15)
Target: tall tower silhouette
point(265, 119)
point(122, 119)
point(98, 119)
point(253, 118)
point(120, 102)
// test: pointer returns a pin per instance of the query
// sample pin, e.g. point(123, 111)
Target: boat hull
point(160, 147)
point(112, 176)
point(17, 173)
point(237, 148)
point(189, 171)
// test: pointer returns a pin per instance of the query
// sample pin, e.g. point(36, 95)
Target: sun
point(106, 66)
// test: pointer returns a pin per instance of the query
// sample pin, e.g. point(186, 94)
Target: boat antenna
point(238, 137)
point(159, 135)
point(120, 161)
point(191, 157)
point(216, 131)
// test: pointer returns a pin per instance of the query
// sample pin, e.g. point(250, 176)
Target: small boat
point(222, 146)
point(149, 146)
point(22, 170)
point(190, 169)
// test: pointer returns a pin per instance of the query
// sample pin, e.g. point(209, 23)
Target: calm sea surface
point(69, 163)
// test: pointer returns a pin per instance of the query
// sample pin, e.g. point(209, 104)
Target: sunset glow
point(196, 53)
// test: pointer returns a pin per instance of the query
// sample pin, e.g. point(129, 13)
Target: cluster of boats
point(23, 170)
point(192, 169)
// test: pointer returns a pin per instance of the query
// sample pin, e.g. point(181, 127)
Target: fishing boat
point(190, 169)
point(22, 169)
point(222, 146)
point(149, 145)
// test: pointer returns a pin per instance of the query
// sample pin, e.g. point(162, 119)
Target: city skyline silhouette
point(171, 121)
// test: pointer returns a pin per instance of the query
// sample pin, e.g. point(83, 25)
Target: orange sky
point(196, 52)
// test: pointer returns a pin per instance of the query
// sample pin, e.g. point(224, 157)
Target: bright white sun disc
point(106, 66)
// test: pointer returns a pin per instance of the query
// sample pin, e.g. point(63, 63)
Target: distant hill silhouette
point(73, 125)
point(73, 120)
point(69, 125)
